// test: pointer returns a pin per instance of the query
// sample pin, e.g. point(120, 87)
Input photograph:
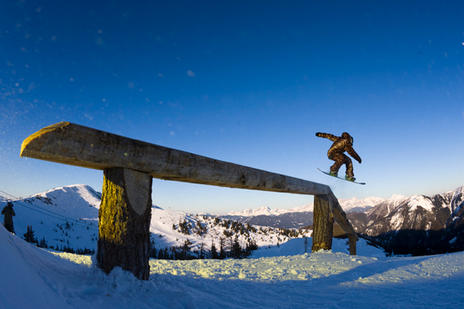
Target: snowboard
point(359, 183)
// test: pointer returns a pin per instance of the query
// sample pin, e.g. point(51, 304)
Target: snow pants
point(9, 226)
point(340, 159)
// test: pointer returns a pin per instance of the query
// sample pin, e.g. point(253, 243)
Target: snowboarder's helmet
point(347, 136)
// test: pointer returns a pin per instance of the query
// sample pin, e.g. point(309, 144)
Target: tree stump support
point(322, 224)
point(124, 222)
point(129, 166)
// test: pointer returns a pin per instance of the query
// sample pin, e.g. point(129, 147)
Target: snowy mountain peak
point(85, 192)
point(264, 210)
point(75, 201)
point(397, 198)
point(355, 204)
point(457, 190)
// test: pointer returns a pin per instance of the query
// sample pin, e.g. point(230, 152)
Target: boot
point(350, 178)
point(333, 174)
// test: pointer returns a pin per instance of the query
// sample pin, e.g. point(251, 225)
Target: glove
point(318, 134)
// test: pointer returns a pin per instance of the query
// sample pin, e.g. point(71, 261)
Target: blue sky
point(241, 81)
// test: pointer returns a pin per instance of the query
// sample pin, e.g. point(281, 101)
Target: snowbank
point(28, 275)
point(34, 278)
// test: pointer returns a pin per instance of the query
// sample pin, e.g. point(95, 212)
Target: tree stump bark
point(124, 222)
point(322, 224)
point(352, 244)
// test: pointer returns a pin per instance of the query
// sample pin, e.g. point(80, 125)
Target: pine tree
point(214, 254)
point(251, 245)
point(202, 252)
point(42, 243)
point(185, 249)
point(222, 253)
point(29, 235)
point(236, 249)
point(153, 252)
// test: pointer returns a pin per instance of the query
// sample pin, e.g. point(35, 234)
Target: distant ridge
point(349, 205)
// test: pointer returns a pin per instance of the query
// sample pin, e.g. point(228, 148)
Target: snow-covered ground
point(278, 277)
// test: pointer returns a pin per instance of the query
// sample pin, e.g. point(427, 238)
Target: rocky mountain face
point(418, 224)
point(418, 212)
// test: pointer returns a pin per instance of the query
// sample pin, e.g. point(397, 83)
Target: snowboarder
point(8, 213)
point(336, 153)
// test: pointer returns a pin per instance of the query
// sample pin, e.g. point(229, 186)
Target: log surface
point(73, 144)
point(124, 222)
point(322, 224)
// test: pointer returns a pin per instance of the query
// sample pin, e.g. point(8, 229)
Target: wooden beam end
point(30, 145)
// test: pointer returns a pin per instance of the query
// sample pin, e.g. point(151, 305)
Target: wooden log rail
point(129, 166)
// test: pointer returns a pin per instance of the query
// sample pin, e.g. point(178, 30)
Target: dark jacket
point(8, 213)
point(341, 144)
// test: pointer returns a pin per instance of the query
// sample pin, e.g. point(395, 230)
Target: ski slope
point(277, 277)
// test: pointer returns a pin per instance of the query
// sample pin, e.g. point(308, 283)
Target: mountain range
point(372, 215)
point(66, 218)
point(417, 224)
point(349, 205)
point(296, 217)
point(417, 212)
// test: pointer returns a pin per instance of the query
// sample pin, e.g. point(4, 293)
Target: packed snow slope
point(276, 278)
